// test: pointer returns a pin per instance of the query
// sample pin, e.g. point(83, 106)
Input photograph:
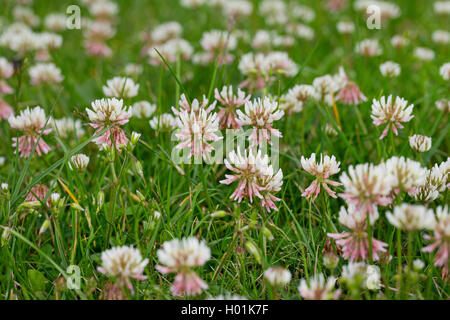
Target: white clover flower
point(237, 8)
point(164, 122)
point(277, 276)
point(274, 11)
point(443, 105)
point(444, 71)
point(438, 175)
point(354, 219)
point(424, 54)
point(49, 40)
point(2, 161)
point(325, 86)
point(108, 110)
point(26, 16)
point(322, 171)
point(45, 73)
point(109, 113)
point(260, 114)
point(369, 48)
point(280, 63)
point(407, 174)
point(123, 263)
point(345, 27)
point(55, 22)
point(32, 123)
point(229, 102)
point(418, 264)
point(391, 113)
point(20, 38)
point(187, 252)
point(6, 68)
point(166, 31)
point(411, 217)
point(442, 7)
point(119, 87)
point(388, 10)
point(373, 278)
point(317, 288)
point(133, 69)
point(216, 40)
point(436, 182)
point(65, 127)
point(390, 69)
point(143, 109)
point(367, 186)
point(420, 143)
point(398, 41)
point(198, 127)
point(358, 275)
point(104, 9)
point(255, 176)
point(4, 186)
point(302, 31)
point(99, 30)
point(192, 3)
point(441, 37)
point(296, 97)
point(302, 12)
point(171, 50)
point(80, 161)
point(262, 40)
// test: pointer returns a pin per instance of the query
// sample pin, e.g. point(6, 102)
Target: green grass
point(186, 202)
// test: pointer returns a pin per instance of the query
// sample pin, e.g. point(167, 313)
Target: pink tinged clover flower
point(256, 178)
point(270, 183)
point(105, 113)
point(6, 71)
point(350, 92)
point(261, 114)
point(367, 186)
point(246, 168)
point(441, 239)
point(391, 114)
point(355, 243)
point(32, 122)
point(123, 263)
point(181, 256)
point(197, 127)
point(327, 167)
point(230, 102)
point(317, 288)
point(5, 110)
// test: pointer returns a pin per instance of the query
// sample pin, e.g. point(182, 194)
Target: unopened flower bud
point(420, 143)
point(140, 196)
point(330, 260)
point(5, 236)
point(267, 233)
point(218, 214)
point(44, 226)
point(139, 170)
point(100, 200)
point(135, 138)
point(76, 206)
point(418, 265)
point(80, 161)
point(251, 247)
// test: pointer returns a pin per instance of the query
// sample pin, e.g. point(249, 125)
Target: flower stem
point(399, 260)
point(369, 232)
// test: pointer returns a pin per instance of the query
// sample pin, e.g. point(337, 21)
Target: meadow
point(335, 185)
